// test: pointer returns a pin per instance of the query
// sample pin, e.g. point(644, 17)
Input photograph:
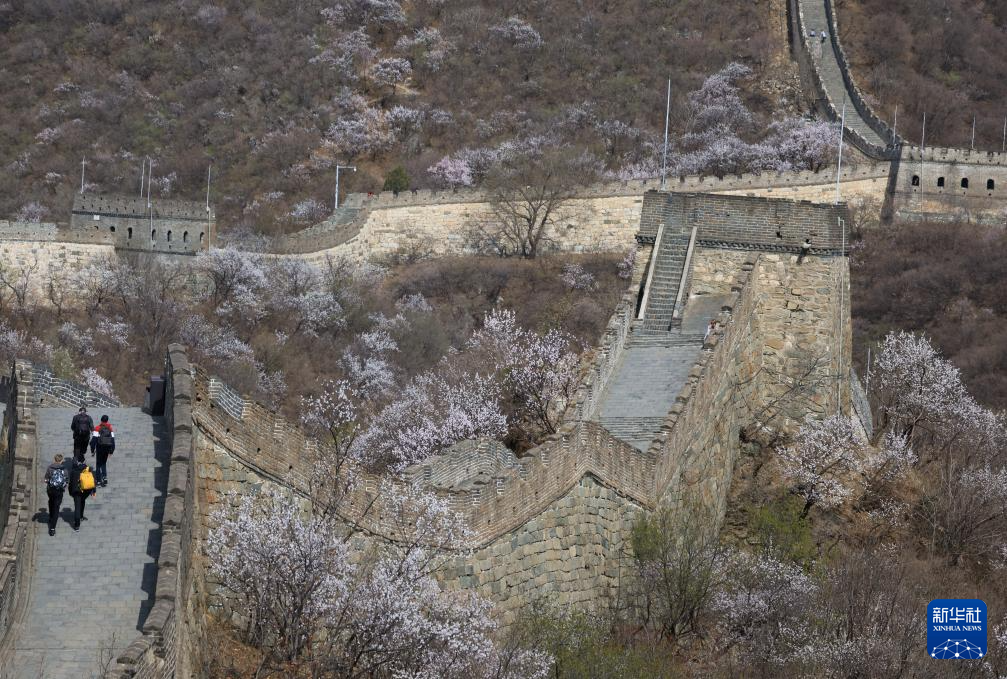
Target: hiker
point(823, 36)
point(805, 249)
point(102, 444)
point(81, 486)
point(55, 484)
point(710, 328)
point(81, 425)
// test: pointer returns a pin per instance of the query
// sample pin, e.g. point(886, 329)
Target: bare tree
point(17, 280)
point(59, 289)
point(105, 657)
point(865, 214)
point(530, 196)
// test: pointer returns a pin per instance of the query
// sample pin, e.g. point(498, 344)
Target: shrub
point(780, 528)
point(396, 180)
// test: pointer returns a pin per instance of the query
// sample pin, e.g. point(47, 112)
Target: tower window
point(965, 182)
point(990, 184)
point(916, 180)
point(940, 182)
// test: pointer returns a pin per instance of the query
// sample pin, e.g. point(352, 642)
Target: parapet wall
point(603, 218)
point(943, 184)
point(18, 457)
point(745, 223)
point(556, 522)
point(814, 67)
point(173, 641)
point(54, 392)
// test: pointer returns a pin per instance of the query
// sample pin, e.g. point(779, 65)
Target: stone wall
point(172, 643)
point(54, 392)
point(170, 226)
point(714, 270)
point(43, 258)
point(804, 316)
point(812, 67)
point(431, 223)
point(18, 465)
point(745, 223)
point(525, 517)
point(930, 181)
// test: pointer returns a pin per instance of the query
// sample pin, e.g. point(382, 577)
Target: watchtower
point(162, 225)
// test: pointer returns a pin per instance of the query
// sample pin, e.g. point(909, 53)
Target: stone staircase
point(666, 339)
point(816, 19)
point(668, 269)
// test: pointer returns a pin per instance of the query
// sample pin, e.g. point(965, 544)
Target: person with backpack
point(55, 484)
point(102, 444)
point(81, 487)
point(81, 425)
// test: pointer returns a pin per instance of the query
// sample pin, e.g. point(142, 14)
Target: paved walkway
point(651, 373)
point(98, 583)
point(832, 76)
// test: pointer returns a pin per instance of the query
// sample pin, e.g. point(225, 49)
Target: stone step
point(666, 339)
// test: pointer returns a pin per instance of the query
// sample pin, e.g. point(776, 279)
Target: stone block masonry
point(17, 474)
point(430, 223)
point(53, 392)
point(556, 523)
point(130, 223)
point(942, 184)
point(746, 223)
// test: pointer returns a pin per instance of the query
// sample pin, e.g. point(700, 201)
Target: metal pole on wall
point(150, 175)
point(867, 375)
point(667, 119)
point(82, 175)
point(1003, 145)
point(895, 126)
point(923, 145)
point(842, 304)
point(839, 165)
point(972, 144)
point(338, 168)
point(208, 168)
point(143, 168)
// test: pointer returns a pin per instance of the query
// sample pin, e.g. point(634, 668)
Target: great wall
point(763, 254)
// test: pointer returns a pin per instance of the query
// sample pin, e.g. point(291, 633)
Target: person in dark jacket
point(77, 493)
point(55, 484)
point(81, 425)
point(102, 445)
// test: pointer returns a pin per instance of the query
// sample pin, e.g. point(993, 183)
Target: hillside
point(943, 58)
point(933, 279)
point(274, 94)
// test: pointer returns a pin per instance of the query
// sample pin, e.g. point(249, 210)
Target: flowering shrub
point(576, 278)
point(95, 382)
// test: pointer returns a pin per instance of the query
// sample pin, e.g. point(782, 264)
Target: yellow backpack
point(86, 479)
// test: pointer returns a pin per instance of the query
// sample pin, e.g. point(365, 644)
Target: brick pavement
point(651, 373)
point(90, 585)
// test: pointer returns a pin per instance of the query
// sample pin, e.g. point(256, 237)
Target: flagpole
point(839, 165)
point(667, 118)
point(923, 146)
